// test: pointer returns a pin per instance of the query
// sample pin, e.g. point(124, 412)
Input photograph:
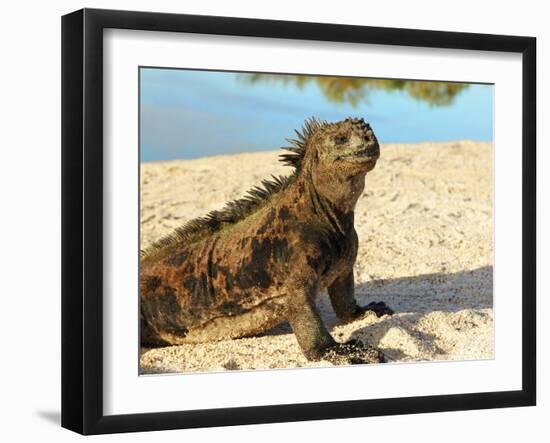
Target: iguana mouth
point(368, 152)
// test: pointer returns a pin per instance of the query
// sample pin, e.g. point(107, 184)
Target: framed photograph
point(381, 262)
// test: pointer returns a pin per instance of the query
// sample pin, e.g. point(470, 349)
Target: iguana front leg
point(342, 298)
point(314, 338)
point(311, 333)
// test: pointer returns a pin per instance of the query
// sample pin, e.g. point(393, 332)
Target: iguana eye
point(340, 139)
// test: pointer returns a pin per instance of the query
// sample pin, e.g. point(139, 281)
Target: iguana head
point(349, 146)
point(335, 157)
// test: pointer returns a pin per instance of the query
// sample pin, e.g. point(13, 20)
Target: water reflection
point(354, 90)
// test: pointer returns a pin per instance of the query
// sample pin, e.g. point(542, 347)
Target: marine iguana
point(262, 259)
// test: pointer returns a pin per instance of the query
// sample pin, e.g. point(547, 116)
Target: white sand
point(425, 225)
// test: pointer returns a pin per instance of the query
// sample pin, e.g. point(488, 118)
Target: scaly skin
point(263, 260)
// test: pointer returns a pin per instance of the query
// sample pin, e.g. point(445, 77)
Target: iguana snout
point(362, 145)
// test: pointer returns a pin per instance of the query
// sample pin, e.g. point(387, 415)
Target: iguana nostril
point(368, 134)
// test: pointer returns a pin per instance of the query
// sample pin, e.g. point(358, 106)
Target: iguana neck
point(335, 215)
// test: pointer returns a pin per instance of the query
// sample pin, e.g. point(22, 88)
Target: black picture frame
point(82, 220)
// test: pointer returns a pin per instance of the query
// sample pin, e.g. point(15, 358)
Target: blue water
point(191, 114)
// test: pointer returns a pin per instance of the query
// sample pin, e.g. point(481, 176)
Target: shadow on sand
point(417, 295)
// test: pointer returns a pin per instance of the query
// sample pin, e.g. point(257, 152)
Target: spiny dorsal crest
point(216, 220)
point(298, 146)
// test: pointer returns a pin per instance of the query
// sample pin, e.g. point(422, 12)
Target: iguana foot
point(352, 352)
point(379, 308)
